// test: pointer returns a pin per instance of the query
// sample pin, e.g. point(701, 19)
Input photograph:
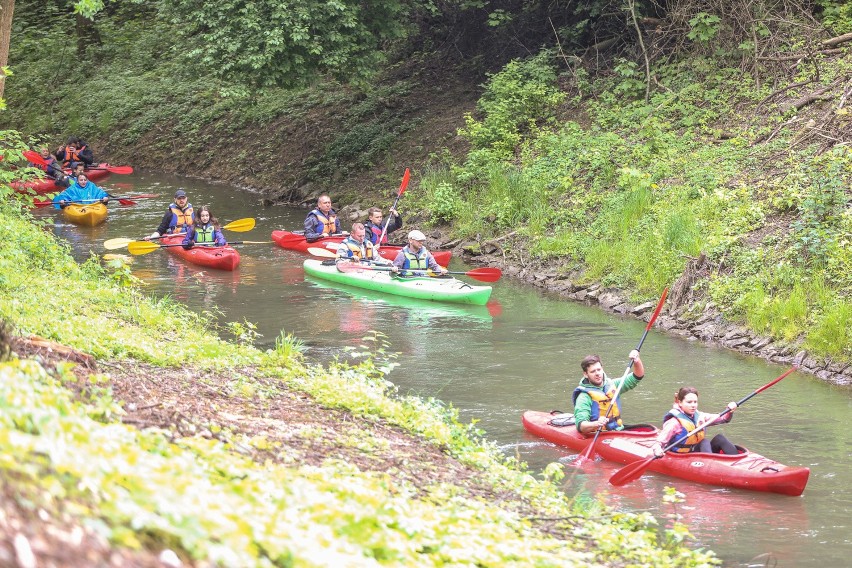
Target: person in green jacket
point(593, 396)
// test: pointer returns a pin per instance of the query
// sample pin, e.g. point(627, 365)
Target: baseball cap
point(180, 193)
point(417, 236)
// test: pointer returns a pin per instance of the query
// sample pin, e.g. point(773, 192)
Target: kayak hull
point(423, 288)
point(90, 215)
point(220, 258)
point(44, 186)
point(295, 241)
point(746, 470)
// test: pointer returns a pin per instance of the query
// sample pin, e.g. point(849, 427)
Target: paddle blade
point(588, 454)
point(113, 244)
point(142, 247)
point(122, 170)
point(34, 157)
point(485, 274)
point(404, 185)
point(658, 310)
point(38, 203)
point(126, 202)
point(240, 225)
point(316, 251)
point(630, 472)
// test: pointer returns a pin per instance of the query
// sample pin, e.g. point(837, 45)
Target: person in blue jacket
point(81, 191)
point(205, 231)
point(322, 221)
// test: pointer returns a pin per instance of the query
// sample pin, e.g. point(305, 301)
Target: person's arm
point(59, 198)
point(343, 253)
point(165, 224)
point(716, 419)
point(219, 238)
point(665, 436)
point(583, 415)
point(86, 156)
point(311, 228)
point(395, 221)
point(433, 265)
point(189, 238)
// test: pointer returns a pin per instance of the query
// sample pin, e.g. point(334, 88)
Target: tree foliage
point(284, 42)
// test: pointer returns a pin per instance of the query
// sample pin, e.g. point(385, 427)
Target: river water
point(522, 352)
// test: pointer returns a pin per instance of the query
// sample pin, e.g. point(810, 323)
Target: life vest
point(182, 218)
point(204, 235)
point(376, 230)
point(419, 261)
point(71, 155)
point(687, 425)
point(602, 399)
point(328, 226)
point(364, 251)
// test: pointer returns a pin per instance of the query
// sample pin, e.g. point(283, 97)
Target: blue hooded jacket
point(88, 193)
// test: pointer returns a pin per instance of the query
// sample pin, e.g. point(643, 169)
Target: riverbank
point(134, 436)
point(684, 315)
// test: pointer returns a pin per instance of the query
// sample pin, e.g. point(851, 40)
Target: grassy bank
point(212, 492)
point(616, 190)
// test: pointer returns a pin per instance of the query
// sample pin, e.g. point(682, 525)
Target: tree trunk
point(7, 7)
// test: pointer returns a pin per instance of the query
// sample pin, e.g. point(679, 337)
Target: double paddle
point(590, 451)
point(36, 158)
point(127, 200)
point(485, 274)
point(402, 187)
point(634, 471)
point(238, 226)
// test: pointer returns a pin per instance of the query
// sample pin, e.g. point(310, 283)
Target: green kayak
point(441, 289)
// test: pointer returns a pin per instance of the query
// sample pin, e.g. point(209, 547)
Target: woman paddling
point(205, 231)
point(683, 418)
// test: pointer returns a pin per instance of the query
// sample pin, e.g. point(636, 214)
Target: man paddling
point(593, 396)
point(355, 247)
point(375, 224)
point(177, 219)
point(415, 257)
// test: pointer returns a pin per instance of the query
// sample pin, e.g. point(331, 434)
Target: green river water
point(522, 352)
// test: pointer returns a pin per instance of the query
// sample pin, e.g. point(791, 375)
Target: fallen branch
point(802, 55)
point(837, 40)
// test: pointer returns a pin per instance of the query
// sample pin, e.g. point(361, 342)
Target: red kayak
point(45, 185)
point(747, 470)
point(296, 241)
point(221, 258)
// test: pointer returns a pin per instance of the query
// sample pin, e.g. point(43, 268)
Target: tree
point(286, 42)
point(86, 8)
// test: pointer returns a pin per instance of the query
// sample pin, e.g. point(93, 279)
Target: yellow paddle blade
point(240, 225)
point(113, 244)
point(316, 251)
point(142, 247)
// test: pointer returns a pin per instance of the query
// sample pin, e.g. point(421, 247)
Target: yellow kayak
point(86, 215)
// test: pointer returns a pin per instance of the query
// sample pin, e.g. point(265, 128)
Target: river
point(522, 352)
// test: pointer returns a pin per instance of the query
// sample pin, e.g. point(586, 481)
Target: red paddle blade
point(659, 308)
point(34, 157)
point(486, 274)
point(38, 203)
point(127, 202)
point(404, 184)
point(630, 472)
point(123, 170)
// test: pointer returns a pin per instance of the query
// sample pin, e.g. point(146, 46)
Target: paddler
point(683, 418)
point(177, 219)
point(322, 221)
point(415, 259)
point(356, 248)
point(82, 191)
point(593, 395)
point(205, 231)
